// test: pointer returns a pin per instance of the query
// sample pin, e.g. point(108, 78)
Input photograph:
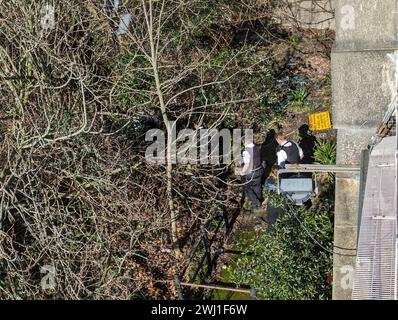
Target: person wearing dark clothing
point(252, 175)
point(307, 143)
point(289, 152)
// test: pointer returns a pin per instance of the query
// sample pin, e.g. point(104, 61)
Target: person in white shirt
point(289, 152)
point(252, 173)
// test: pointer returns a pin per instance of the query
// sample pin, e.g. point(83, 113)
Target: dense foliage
point(325, 152)
point(287, 263)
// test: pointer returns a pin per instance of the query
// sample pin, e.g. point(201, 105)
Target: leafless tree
point(75, 96)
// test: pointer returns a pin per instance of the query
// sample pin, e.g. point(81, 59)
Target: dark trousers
point(253, 187)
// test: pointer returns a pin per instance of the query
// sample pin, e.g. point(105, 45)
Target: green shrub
point(325, 152)
point(295, 40)
point(299, 94)
point(286, 264)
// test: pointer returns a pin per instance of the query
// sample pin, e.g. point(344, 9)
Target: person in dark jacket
point(252, 175)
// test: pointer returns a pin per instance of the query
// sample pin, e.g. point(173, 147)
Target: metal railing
point(210, 251)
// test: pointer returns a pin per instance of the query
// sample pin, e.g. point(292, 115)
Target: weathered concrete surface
point(366, 24)
point(349, 151)
point(364, 83)
point(352, 73)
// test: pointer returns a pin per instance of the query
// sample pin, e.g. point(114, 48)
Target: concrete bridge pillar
point(364, 84)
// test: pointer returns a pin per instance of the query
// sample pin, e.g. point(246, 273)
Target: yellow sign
point(320, 121)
